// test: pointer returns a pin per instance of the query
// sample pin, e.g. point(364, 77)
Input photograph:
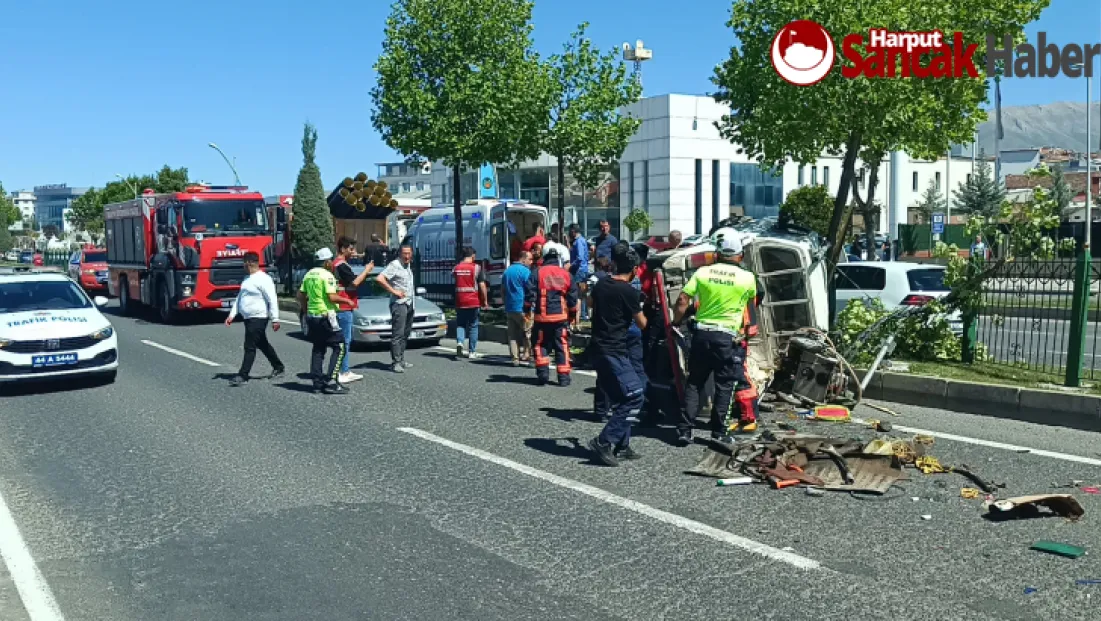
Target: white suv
point(895, 284)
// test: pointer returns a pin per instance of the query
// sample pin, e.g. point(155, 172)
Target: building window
point(420, 186)
point(646, 186)
point(699, 197)
point(826, 176)
point(405, 187)
point(715, 216)
point(801, 169)
point(755, 190)
point(937, 179)
point(915, 182)
point(631, 185)
point(814, 175)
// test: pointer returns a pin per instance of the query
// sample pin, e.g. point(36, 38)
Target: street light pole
point(1079, 314)
point(132, 187)
point(236, 178)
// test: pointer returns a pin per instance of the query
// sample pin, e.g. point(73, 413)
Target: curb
point(1044, 407)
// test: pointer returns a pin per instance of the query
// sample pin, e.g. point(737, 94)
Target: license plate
point(54, 360)
point(417, 334)
point(227, 303)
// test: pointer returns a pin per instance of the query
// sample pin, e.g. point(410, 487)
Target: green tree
point(7, 207)
point(931, 202)
point(637, 220)
point(981, 195)
point(87, 209)
point(5, 236)
point(312, 225)
point(808, 207)
point(588, 129)
point(1061, 193)
point(864, 119)
point(459, 83)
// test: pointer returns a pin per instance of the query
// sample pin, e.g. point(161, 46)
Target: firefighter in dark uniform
point(727, 294)
point(551, 301)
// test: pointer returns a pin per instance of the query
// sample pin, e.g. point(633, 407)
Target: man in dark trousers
point(616, 306)
point(725, 291)
point(319, 298)
point(551, 299)
point(397, 280)
point(256, 304)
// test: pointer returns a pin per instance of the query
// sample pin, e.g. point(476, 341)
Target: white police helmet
point(728, 241)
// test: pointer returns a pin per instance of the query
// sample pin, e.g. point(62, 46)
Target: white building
point(24, 202)
point(410, 185)
point(687, 177)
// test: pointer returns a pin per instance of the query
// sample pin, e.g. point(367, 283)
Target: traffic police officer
point(726, 294)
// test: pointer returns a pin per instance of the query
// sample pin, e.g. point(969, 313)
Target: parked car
point(26, 256)
point(88, 268)
point(372, 318)
point(895, 284)
point(12, 256)
point(657, 242)
point(692, 240)
point(38, 259)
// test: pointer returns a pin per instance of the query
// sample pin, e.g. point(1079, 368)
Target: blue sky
point(120, 86)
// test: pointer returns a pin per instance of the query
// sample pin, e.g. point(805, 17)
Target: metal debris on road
point(734, 481)
point(926, 517)
point(1063, 505)
point(1060, 549)
point(969, 493)
point(882, 409)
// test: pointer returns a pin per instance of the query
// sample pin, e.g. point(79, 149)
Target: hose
point(858, 392)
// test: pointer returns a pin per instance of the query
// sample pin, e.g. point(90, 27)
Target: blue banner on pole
point(487, 181)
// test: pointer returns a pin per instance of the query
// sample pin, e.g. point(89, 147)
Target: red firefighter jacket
point(551, 294)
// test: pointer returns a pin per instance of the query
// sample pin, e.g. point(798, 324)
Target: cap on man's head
point(729, 245)
point(324, 254)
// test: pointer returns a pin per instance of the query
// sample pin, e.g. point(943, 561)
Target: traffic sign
point(938, 224)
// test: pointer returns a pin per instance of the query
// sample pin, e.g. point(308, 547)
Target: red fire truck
point(183, 251)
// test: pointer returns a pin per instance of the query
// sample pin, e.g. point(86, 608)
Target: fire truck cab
point(183, 251)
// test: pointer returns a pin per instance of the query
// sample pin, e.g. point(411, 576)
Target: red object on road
point(38, 260)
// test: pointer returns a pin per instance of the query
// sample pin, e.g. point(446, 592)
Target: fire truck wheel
point(168, 314)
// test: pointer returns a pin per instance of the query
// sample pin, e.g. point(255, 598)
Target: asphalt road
point(1037, 342)
point(458, 491)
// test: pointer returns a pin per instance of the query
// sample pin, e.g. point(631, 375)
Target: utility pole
point(236, 178)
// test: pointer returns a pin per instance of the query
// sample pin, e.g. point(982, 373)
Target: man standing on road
point(470, 298)
point(349, 290)
point(397, 280)
point(579, 265)
point(256, 304)
point(551, 296)
point(724, 290)
point(605, 241)
point(513, 282)
point(319, 297)
point(616, 306)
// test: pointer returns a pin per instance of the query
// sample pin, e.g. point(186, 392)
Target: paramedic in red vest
point(470, 298)
point(348, 288)
point(537, 238)
point(551, 300)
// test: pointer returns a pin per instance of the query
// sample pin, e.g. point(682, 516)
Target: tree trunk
point(561, 200)
point(841, 202)
point(456, 181)
point(869, 209)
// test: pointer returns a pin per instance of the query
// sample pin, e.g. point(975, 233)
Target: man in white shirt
point(257, 304)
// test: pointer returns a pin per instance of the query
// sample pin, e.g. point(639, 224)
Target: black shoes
point(684, 437)
point(278, 373)
point(236, 381)
point(627, 453)
point(603, 452)
point(334, 388)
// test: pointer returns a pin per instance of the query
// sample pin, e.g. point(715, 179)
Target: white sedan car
point(51, 329)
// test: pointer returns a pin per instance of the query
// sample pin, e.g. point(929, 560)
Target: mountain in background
point(1061, 124)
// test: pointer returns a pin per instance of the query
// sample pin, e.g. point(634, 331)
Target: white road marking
point(33, 591)
point(991, 444)
point(553, 367)
point(671, 519)
point(182, 354)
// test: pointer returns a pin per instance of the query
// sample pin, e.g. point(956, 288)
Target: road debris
point(1063, 505)
point(832, 413)
point(926, 517)
point(734, 481)
point(1030, 590)
point(969, 493)
point(1092, 581)
point(1091, 490)
point(882, 409)
point(1060, 549)
point(815, 491)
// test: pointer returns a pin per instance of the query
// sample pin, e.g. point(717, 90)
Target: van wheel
point(167, 313)
point(126, 305)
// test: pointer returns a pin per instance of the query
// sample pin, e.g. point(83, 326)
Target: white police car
point(51, 329)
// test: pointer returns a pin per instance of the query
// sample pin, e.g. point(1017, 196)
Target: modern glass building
point(755, 190)
point(53, 202)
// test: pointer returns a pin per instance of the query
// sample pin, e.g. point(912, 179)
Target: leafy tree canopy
point(312, 224)
point(866, 118)
point(808, 207)
point(87, 209)
point(637, 220)
point(8, 211)
point(588, 129)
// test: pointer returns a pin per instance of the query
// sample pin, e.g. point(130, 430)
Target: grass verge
point(1001, 374)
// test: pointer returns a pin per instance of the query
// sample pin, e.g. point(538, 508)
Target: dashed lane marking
point(634, 506)
point(181, 354)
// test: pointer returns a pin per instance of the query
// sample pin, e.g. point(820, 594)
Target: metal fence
point(1026, 318)
point(432, 266)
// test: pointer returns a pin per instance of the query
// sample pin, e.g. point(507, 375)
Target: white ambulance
point(494, 228)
